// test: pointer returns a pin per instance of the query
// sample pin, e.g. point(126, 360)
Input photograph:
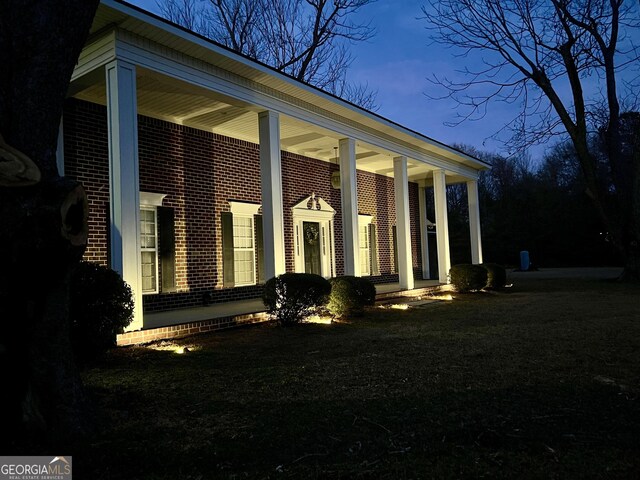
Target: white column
point(123, 179)
point(271, 177)
point(424, 233)
point(403, 226)
point(349, 194)
point(442, 225)
point(474, 222)
point(60, 149)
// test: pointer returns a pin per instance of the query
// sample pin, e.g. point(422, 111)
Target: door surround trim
point(314, 209)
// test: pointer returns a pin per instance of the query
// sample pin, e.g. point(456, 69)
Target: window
point(149, 253)
point(243, 250)
point(365, 251)
point(149, 249)
point(364, 234)
point(239, 244)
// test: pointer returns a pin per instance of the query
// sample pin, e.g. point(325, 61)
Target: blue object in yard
point(524, 260)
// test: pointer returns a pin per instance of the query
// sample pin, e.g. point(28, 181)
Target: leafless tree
point(184, 12)
point(306, 39)
point(561, 60)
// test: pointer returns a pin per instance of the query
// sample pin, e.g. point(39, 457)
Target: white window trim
point(365, 221)
point(155, 250)
point(246, 210)
point(150, 201)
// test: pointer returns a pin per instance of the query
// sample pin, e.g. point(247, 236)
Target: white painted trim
point(244, 208)
point(247, 210)
point(364, 220)
point(271, 185)
point(287, 82)
point(149, 55)
point(143, 52)
point(403, 225)
point(442, 225)
point(96, 53)
point(124, 195)
point(349, 197)
point(152, 199)
point(424, 232)
point(474, 222)
point(154, 209)
point(249, 216)
point(324, 215)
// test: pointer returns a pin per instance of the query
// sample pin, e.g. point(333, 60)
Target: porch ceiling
point(172, 100)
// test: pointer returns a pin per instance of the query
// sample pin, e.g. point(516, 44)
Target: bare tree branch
point(535, 51)
point(306, 39)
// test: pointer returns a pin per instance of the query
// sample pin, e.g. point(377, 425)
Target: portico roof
point(187, 79)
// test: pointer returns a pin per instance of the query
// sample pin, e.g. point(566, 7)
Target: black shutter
point(107, 232)
point(373, 249)
point(257, 221)
point(167, 250)
point(394, 235)
point(228, 273)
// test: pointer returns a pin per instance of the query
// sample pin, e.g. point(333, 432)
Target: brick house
point(208, 173)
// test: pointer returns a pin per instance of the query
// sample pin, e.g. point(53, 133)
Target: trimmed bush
point(349, 296)
point(496, 275)
point(100, 307)
point(468, 278)
point(291, 297)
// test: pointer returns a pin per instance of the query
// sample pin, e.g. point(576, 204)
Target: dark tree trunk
point(43, 218)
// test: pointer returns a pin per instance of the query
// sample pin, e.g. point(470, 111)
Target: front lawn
point(541, 381)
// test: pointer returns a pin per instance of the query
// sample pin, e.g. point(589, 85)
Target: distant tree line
point(542, 207)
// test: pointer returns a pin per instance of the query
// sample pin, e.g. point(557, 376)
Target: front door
point(311, 238)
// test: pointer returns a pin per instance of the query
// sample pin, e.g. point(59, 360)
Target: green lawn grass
point(541, 381)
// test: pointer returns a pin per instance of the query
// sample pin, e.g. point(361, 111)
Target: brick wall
point(87, 160)
point(200, 172)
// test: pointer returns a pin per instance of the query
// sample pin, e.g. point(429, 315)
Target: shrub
point(496, 275)
point(292, 297)
point(467, 278)
point(100, 307)
point(349, 296)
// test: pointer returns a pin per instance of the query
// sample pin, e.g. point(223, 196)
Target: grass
point(541, 381)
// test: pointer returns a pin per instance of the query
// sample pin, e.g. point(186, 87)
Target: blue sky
point(397, 62)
